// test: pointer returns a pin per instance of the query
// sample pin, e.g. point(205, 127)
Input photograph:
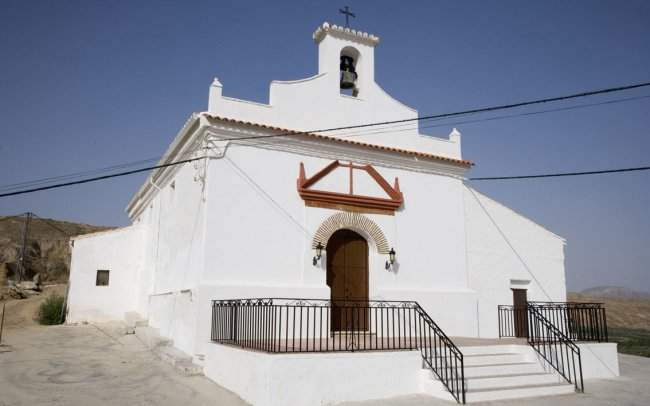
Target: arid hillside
point(628, 319)
point(47, 250)
point(621, 312)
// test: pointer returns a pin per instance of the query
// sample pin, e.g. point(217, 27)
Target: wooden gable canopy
point(315, 197)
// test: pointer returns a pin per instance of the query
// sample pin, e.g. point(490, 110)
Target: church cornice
point(293, 135)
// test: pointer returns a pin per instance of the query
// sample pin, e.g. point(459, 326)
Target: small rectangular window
point(102, 278)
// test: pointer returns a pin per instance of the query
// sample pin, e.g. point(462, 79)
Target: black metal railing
point(578, 321)
point(557, 349)
point(283, 325)
point(441, 355)
point(513, 321)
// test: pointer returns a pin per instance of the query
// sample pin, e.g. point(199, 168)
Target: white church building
point(301, 258)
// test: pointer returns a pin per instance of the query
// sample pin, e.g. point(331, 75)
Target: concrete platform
point(304, 379)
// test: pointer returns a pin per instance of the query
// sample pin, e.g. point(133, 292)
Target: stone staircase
point(499, 372)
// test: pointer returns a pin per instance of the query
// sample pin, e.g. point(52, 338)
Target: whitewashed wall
point(506, 250)
point(120, 252)
point(174, 253)
point(259, 235)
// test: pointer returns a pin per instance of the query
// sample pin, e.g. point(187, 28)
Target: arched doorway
point(347, 277)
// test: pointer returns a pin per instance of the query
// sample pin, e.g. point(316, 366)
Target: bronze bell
point(347, 80)
point(348, 74)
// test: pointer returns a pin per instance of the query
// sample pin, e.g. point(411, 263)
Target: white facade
point(118, 251)
point(233, 225)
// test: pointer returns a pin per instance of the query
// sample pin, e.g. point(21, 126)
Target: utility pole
point(22, 271)
point(2, 322)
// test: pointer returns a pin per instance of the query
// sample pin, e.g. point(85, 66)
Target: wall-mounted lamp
point(319, 252)
point(391, 258)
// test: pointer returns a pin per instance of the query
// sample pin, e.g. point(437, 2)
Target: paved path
point(630, 389)
point(82, 365)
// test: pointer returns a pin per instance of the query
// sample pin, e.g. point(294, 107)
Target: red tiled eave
point(453, 161)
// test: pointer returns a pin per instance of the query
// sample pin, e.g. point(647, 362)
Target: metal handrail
point(452, 376)
point(282, 325)
point(578, 321)
point(555, 347)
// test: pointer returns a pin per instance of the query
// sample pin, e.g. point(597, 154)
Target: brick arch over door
point(353, 221)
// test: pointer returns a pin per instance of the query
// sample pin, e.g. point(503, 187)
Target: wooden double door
point(347, 277)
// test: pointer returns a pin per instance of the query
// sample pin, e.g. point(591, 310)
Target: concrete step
point(133, 320)
point(494, 359)
point(503, 381)
point(503, 369)
point(499, 372)
point(142, 323)
point(189, 368)
point(172, 355)
point(181, 361)
point(151, 337)
point(494, 349)
point(163, 348)
point(514, 392)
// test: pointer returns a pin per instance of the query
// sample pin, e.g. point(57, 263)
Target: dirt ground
point(90, 366)
point(20, 313)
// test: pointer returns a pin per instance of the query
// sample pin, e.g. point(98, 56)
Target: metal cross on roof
point(346, 11)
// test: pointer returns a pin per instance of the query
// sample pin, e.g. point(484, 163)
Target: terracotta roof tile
point(454, 161)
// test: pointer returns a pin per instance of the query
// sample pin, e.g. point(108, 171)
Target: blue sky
point(89, 84)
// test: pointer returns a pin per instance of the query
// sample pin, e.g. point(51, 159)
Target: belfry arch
point(355, 222)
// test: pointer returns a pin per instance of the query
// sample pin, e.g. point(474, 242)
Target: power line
point(44, 181)
point(552, 175)
point(422, 118)
point(403, 127)
point(97, 178)
point(294, 133)
point(76, 174)
point(531, 113)
point(555, 175)
point(453, 114)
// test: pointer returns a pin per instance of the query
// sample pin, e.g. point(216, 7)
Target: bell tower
point(347, 56)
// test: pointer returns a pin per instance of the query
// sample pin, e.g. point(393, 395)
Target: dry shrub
point(52, 310)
